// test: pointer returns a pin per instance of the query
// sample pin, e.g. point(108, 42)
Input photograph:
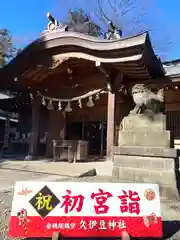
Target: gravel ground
point(6, 201)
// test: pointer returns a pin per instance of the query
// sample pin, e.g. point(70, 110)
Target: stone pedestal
point(144, 131)
point(144, 154)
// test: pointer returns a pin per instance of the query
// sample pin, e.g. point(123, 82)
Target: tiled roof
point(172, 68)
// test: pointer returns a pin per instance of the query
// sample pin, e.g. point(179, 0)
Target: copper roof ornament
point(54, 25)
point(113, 32)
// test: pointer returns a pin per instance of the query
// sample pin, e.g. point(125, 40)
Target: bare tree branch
point(102, 14)
point(134, 17)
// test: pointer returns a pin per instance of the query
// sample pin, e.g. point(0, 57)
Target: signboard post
point(85, 209)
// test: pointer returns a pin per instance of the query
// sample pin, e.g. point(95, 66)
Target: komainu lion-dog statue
point(147, 102)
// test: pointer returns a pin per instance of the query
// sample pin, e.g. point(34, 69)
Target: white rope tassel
point(31, 96)
point(90, 103)
point(43, 101)
point(75, 99)
point(68, 107)
point(80, 103)
point(60, 106)
point(97, 96)
point(50, 105)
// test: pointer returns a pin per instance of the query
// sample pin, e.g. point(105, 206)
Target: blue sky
point(26, 19)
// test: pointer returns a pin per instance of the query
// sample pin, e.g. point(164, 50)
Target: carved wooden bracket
point(55, 63)
point(114, 80)
point(102, 69)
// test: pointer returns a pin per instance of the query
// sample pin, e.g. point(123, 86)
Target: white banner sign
point(85, 209)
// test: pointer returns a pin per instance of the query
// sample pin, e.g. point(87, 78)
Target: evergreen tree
point(7, 50)
point(82, 23)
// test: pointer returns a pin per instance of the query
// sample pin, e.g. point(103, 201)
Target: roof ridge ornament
point(54, 25)
point(113, 32)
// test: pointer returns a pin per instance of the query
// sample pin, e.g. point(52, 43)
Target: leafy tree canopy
point(7, 50)
point(80, 22)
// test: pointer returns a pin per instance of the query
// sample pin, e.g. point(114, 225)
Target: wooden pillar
point(56, 130)
point(110, 122)
point(83, 122)
point(33, 144)
point(114, 81)
point(102, 138)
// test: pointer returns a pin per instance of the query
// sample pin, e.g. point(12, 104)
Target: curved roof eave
point(87, 41)
point(61, 39)
point(91, 42)
point(63, 42)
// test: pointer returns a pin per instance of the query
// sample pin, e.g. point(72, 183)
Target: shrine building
point(73, 88)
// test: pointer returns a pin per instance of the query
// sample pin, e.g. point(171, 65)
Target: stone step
point(145, 162)
point(145, 138)
point(144, 175)
point(170, 211)
point(145, 151)
point(166, 180)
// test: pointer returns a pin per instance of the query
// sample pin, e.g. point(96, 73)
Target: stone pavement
point(8, 177)
point(10, 172)
point(6, 199)
point(63, 169)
